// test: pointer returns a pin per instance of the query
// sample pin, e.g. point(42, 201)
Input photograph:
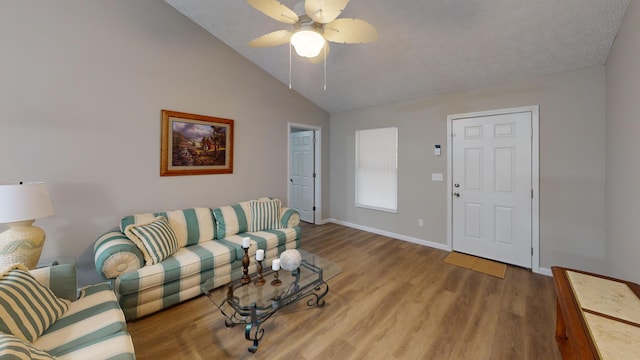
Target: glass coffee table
point(251, 305)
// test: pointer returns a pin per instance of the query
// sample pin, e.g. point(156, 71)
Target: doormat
point(477, 264)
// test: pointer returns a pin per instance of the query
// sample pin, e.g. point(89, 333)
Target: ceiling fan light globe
point(308, 43)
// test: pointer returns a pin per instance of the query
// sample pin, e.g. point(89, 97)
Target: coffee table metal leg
point(253, 330)
point(321, 293)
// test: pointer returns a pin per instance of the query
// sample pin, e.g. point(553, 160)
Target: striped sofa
point(209, 245)
point(93, 326)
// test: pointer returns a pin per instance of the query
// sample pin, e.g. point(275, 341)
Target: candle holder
point(260, 280)
point(245, 267)
point(276, 281)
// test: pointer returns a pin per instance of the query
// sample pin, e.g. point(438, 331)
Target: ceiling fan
point(314, 23)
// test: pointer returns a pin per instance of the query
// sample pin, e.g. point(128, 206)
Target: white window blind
point(377, 169)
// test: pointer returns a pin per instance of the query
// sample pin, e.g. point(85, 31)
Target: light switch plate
point(437, 177)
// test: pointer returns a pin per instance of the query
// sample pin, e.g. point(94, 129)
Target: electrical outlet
point(420, 222)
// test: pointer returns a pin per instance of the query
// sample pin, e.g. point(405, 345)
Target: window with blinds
point(377, 169)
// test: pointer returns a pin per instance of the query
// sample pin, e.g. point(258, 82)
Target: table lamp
point(20, 205)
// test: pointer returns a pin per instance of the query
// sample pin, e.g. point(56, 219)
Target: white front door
point(302, 174)
point(492, 187)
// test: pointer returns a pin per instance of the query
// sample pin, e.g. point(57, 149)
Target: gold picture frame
point(195, 144)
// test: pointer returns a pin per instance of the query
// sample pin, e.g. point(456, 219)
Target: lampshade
point(28, 201)
point(307, 42)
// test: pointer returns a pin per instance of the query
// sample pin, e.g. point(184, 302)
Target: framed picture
point(195, 144)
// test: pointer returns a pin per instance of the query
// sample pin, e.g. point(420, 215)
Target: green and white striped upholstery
point(144, 289)
point(93, 327)
point(289, 217)
point(265, 215)
point(156, 240)
point(13, 348)
point(116, 254)
point(27, 308)
point(266, 240)
point(61, 279)
point(116, 346)
point(176, 279)
point(232, 219)
point(191, 226)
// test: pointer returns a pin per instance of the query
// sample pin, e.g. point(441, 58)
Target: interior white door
point(302, 170)
point(492, 187)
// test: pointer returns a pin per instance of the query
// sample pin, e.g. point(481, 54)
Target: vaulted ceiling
point(425, 47)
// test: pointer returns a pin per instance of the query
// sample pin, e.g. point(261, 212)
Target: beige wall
point(82, 86)
point(623, 149)
point(572, 155)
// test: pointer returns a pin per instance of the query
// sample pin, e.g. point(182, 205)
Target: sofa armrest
point(61, 279)
point(115, 254)
point(289, 217)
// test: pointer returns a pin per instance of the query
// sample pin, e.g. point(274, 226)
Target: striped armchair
point(92, 327)
point(155, 266)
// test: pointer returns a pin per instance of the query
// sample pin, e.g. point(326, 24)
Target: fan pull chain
point(289, 66)
point(325, 66)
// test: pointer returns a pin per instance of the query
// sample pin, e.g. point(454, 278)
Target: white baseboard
point(323, 222)
point(540, 270)
point(543, 271)
point(389, 234)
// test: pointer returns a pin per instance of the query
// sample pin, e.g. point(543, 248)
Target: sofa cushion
point(13, 348)
point(91, 319)
point(61, 279)
point(27, 307)
point(164, 295)
point(191, 226)
point(233, 219)
point(156, 239)
point(265, 214)
point(266, 240)
point(184, 263)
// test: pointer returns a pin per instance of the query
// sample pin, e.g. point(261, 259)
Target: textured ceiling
point(426, 47)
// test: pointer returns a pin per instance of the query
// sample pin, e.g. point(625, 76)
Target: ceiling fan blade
point(320, 58)
point(271, 39)
point(275, 10)
point(324, 11)
point(350, 31)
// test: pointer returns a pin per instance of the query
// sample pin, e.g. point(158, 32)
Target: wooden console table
point(598, 317)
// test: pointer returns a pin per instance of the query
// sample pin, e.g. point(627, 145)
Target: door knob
point(456, 194)
point(456, 185)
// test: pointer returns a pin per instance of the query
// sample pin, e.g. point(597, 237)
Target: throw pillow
point(156, 240)
point(28, 308)
point(232, 219)
point(265, 215)
point(12, 348)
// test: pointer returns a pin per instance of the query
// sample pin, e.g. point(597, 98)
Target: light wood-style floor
point(393, 300)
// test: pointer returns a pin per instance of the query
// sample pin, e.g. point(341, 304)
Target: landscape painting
point(195, 144)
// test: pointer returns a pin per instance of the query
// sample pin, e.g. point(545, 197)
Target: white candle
point(275, 265)
point(259, 254)
point(246, 242)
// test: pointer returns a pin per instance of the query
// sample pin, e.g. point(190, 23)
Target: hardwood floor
point(393, 300)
